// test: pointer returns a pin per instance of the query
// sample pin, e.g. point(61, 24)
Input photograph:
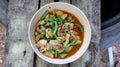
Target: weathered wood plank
point(18, 52)
point(91, 8)
point(43, 2)
point(3, 12)
point(42, 63)
point(39, 61)
point(67, 1)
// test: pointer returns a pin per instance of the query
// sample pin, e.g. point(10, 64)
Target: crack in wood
point(20, 39)
point(39, 4)
point(56, 0)
point(24, 53)
point(69, 65)
point(34, 60)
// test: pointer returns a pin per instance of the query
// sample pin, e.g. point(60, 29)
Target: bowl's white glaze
point(71, 9)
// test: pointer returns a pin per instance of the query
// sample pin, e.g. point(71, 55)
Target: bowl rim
point(63, 61)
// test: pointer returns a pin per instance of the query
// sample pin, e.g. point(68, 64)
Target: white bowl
point(71, 9)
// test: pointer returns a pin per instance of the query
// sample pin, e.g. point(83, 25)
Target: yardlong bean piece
point(45, 14)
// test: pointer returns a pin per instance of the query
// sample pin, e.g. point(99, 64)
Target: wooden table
point(18, 52)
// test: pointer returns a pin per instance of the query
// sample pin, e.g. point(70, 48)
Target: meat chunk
point(69, 18)
point(48, 33)
point(67, 26)
point(58, 12)
point(53, 42)
point(55, 45)
point(49, 54)
point(59, 48)
point(42, 45)
point(64, 16)
point(74, 35)
point(60, 31)
point(38, 37)
point(41, 22)
point(39, 29)
point(67, 39)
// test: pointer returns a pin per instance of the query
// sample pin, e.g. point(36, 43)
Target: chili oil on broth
point(76, 29)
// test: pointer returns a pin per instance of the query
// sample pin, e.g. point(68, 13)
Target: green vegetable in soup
point(59, 39)
point(45, 14)
point(55, 29)
point(69, 21)
point(48, 19)
point(55, 19)
point(60, 20)
point(68, 49)
point(44, 31)
point(72, 43)
point(63, 55)
point(51, 19)
point(54, 52)
point(81, 28)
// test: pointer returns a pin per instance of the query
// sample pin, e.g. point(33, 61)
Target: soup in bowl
point(59, 33)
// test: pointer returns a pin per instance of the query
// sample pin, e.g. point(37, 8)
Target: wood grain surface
point(91, 8)
point(18, 52)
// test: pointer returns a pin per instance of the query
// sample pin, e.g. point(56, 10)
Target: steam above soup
point(58, 34)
